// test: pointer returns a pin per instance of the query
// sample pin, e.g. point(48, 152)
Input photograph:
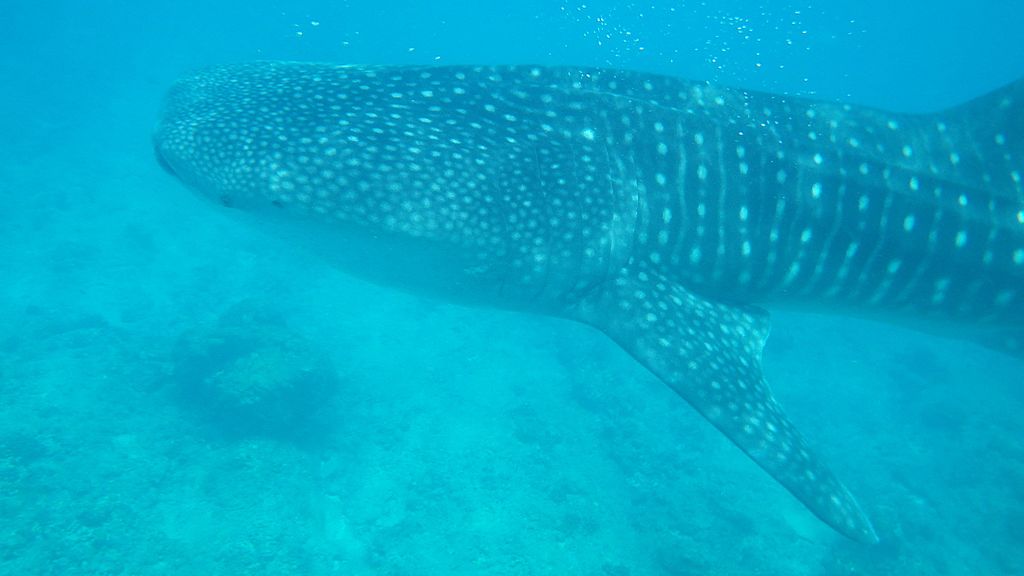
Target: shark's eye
point(225, 200)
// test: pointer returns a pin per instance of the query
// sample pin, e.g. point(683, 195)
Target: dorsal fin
point(987, 134)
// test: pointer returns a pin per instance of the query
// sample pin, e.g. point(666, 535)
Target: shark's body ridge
point(662, 212)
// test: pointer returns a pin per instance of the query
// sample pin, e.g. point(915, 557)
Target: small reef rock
point(249, 374)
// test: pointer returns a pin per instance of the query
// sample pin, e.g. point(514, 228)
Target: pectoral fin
point(710, 354)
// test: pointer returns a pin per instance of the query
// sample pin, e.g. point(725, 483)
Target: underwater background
point(180, 394)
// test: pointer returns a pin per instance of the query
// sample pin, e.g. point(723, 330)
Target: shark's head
point(426, 179)
point(347, 146)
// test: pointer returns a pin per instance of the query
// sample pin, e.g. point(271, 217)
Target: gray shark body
point(660, 211)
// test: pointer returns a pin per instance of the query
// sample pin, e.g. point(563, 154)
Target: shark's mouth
point(162, 161)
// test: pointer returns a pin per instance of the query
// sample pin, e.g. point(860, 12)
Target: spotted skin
point(663, 212)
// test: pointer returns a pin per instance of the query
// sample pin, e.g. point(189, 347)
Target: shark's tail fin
point(986, 139)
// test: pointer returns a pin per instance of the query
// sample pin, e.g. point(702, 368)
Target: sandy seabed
point(452, 440)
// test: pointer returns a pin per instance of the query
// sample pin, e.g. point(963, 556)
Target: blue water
point(181, 395)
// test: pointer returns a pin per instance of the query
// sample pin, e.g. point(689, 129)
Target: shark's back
point(753, 197)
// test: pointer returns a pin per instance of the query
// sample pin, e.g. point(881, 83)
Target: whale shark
point(668, 214)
